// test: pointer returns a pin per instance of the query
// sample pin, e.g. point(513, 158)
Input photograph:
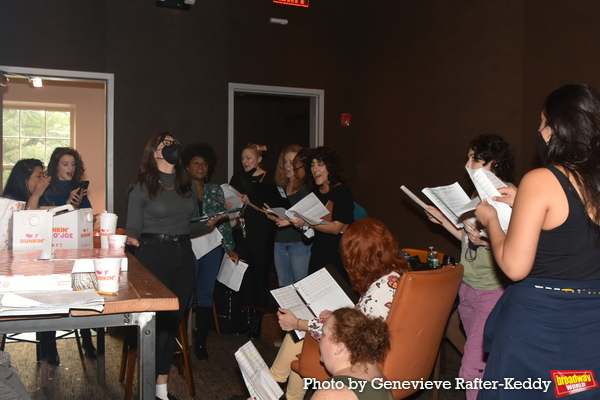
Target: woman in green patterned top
point(200, 161)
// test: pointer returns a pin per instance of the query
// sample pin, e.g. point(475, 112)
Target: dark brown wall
point(420, 78)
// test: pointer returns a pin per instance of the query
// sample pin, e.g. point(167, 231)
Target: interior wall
point(420, 78)
point(88, 100)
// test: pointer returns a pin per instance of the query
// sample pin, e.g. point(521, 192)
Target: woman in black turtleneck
point(254, 240)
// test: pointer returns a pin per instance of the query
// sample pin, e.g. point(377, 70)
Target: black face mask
point(171, 153)
point(541, 146)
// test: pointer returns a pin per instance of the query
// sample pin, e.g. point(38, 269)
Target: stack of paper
point(50, 302)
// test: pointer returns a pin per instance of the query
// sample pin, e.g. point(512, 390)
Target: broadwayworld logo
point(569, 382)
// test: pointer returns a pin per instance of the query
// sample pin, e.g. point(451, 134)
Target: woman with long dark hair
point(545, 326)
point(27, 183)
point(162, 201)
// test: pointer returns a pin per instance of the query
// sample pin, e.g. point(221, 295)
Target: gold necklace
point(166, 188)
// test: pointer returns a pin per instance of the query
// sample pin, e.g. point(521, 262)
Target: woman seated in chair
point(374, 263)
point(351, 346)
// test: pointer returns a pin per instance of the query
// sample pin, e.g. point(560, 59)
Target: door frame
point(316, 119)
point(109, 80)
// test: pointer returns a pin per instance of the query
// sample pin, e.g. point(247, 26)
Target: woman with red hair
point(374, 263)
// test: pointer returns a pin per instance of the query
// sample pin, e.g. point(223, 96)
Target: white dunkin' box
point(32, 230)
point(28, 276)
point(73, 229)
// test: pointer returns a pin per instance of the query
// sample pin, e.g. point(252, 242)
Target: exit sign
point(298, 3)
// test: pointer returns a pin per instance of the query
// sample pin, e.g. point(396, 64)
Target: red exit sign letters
point(297, 3)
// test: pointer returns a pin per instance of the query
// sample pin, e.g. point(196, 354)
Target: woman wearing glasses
point(291, 253)
point(483, 282)
point(162, 200)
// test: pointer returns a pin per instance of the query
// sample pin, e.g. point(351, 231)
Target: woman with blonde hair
point(253, 238)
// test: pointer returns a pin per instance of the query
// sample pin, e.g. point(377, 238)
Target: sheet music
point(309, 207)
point(202, 245)
point(231, 274)
point(449, 200)
point(258, 379)
point(487, 184)
point(287, 297)
point(233, 196)
point(321, 292)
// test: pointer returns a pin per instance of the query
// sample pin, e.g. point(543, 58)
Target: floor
point(215, 379)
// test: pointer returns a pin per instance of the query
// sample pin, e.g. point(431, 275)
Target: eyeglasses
point(297, 168)
point(167, 142)
point(287, 164)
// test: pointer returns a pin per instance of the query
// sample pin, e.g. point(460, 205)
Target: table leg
point(101, 359)
point(146, 361)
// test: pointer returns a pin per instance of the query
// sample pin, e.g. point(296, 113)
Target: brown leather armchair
point(417, 321)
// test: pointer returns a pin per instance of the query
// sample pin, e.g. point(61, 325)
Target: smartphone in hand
point(83, 186)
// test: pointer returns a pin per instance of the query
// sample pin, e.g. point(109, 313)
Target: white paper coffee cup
point(108, 226)
point(108, 274)
point(116, 243)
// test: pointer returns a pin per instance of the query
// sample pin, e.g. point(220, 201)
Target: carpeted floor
point(216, 379)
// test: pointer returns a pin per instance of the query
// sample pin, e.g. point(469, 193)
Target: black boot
point(87, 344)
point(247, 322)
point(203, 323)
point(48, 347)
point(256, 324)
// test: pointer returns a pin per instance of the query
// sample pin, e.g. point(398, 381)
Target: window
point(33, 133)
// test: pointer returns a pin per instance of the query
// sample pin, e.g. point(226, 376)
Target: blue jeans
point(207, 268)
point(291, 261)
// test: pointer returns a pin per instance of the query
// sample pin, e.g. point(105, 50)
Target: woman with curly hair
point(200, 161)
point(374, 263)
point(66, 171)
point(483, 282)
point(352, 346)
point(329, 184)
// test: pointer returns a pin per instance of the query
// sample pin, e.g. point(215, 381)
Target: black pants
point(254, 292)
point(173, 264)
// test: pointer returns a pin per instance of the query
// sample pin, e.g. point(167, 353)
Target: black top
point(568, 251)
point(259, 229)
point(325, 248)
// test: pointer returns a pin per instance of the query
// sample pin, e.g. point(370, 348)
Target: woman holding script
point(329, 184)
point(200, 161)
point(375, 278)
point(547, 323)
point(253, 237)
point(483, 282)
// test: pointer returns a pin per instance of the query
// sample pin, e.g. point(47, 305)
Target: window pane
point(58, 124)
point(33, 123)
point(10, 151)
point(33, 148)
point(51, 144)
point(6, 174)
point(10, 123)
